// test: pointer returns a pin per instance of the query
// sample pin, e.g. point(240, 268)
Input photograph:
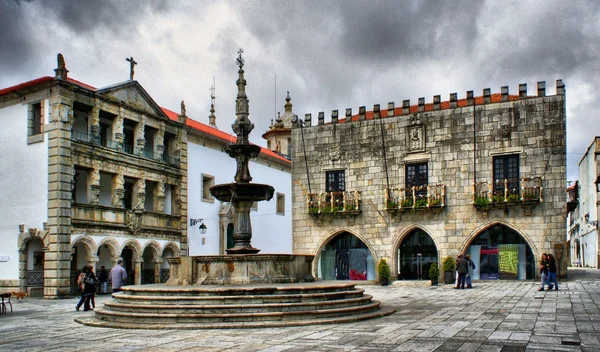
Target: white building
point(583, 206)
point(92, 175)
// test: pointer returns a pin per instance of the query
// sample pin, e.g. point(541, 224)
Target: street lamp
point(201, 228)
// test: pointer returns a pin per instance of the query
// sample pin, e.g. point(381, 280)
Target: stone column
point(159, 197)
point(157, 264)
point(137, 272)
point(95, 125)
point(140, 194)
point(118, 186)
point(141, 140)
point(57, 261)
point(182, 196)
point(119, 136)
point(160, 143)
point(94, 182)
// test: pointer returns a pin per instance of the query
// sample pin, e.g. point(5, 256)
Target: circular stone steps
point(246, 306)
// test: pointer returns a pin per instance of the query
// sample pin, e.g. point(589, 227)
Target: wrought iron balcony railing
point(432, 196)
point(508, 192)
point(341, 202)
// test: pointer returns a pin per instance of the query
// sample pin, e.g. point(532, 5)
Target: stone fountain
point(242, 289)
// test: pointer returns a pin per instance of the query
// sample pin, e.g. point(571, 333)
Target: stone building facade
point(92, 175)
point(414, 184)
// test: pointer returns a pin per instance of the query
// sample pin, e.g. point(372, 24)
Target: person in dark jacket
point(80, 286)
point(89, 289)
point(463, 270)
point(103, 278)
point(471, 268)
point(544, 272)
point(552, 272)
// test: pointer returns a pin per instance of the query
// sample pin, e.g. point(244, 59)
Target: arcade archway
point(417, 252)
point(346, 257)
point(501, 253)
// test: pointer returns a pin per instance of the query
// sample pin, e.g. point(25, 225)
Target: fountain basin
point(229, 192)
point(240, 269)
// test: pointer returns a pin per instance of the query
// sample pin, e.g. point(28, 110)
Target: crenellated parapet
point(487, 97)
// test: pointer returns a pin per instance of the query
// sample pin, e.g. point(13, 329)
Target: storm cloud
point(330, 55)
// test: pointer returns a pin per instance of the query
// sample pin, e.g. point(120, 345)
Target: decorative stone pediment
point(134, 95)
point(415, 138)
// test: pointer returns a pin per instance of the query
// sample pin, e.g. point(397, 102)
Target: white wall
point(587, 205)
point(23, 183)
point(271, 233)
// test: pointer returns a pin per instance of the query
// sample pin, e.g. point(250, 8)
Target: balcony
point(341, 203)
point(507, 192)
point(124, 147)
point(87, 215)
point(416, 198)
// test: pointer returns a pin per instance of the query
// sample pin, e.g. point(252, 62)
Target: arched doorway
point(79, 258)
point(417, 252)
point(34, 263)
point(148, 263)
point(127, 256)
point(500, 253)
point(346, 257)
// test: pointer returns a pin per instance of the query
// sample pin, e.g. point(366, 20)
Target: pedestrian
point(463, 269)
point(456, 271)
point(552, 272)
point(544, 272)
point(92, 296)
point(103, 278)
point(471, 267)
point(80, 286)
point(89, 288)
point(117, 276)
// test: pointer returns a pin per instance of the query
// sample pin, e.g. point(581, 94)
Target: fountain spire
point(242, 125)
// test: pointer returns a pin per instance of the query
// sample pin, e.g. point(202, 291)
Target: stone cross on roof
point(132, 63)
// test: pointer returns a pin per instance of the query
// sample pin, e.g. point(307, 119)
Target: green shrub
point(407, 203)
point(449, 264)
point(434, 202)
point(434, 272)
point(497, 199)
point(384, 272)
point(392, 205)
point(313, 210)
point(421, 203)
point(513, 198)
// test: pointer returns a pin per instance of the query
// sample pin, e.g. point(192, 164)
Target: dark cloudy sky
point(328, 54)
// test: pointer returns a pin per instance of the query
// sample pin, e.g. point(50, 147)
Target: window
point(506, 167)
point(35, 121)
point(207, 183)
point(280, 204)
point(335, 181)
point(416, 175)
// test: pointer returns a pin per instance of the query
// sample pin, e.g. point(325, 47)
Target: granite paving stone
point(493, 316)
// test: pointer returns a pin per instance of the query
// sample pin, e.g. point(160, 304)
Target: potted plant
point(383, 270)
point(434, 274)
point(449, 266)
point(482, 203)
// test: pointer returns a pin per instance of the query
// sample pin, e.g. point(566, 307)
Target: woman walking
point(552, 272)
point(80, 286)
point(89, 288)
point(544, 272)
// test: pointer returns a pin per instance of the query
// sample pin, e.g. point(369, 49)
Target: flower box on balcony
point(415, 198)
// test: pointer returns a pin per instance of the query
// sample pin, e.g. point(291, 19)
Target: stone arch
point(135, 245)
point(171, 245)
point(330, 236)
point(33, 233)
point(476, 232)
point(401, 236)
point(157, 251)
point(88, 243)
point(112, 244)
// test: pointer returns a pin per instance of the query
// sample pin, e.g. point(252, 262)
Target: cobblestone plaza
point(493, 316)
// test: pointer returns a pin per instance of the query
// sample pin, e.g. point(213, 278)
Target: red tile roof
point(170, 114)
point(460, 103)
point(217, 133)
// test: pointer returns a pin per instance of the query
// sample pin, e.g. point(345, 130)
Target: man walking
point(118, 276)
point(463, 269)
